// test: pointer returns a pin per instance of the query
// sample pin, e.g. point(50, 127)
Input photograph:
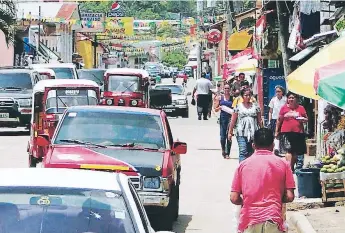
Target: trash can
point(308, 182)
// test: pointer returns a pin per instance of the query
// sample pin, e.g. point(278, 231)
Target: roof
point(128, 71)
point(14, 70)
point(168, 84)
point(115, 109)
point(52, 65)
point(41, 85)
point(66, 11)
point(59, 178)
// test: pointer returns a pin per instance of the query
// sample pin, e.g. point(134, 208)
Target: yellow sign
point(105, 167)
point(158, 168)
point(120, 25)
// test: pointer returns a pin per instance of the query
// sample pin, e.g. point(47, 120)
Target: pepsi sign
point(116, 10)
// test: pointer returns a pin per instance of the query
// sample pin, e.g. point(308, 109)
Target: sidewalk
point(322, 220)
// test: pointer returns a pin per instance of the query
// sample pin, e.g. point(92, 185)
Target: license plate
point(151, 200)
point(4, 115)
point(168, 110)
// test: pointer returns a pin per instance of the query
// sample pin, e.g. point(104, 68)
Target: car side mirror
point(43, 140)
point(189, 93)
point(180, 148)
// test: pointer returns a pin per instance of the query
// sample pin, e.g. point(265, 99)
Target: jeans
point(245, 148)
point(300, 161)
point(265, 227)
point(224, 142)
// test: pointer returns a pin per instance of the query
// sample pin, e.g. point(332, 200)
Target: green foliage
point(175, 59)
point(149, 10)
point(167, 31)
point(8, 20)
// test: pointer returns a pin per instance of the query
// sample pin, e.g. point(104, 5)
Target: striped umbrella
point(329, 83)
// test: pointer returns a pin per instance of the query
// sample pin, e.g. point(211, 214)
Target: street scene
point(172, 116)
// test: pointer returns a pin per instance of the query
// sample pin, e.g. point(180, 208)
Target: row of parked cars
point(69, 130)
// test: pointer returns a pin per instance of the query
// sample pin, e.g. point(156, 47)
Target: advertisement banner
point(120, 26)
point(271, 78)
point(87, 22)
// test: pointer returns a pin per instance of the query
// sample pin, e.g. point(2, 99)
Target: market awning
point(301, 81)
point(193, 64)
point(329, 83)
point(249, 65)
point(239, 41)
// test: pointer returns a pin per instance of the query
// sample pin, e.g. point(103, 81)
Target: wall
point(7, 53)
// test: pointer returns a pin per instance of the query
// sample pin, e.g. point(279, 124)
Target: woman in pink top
point(290, 130)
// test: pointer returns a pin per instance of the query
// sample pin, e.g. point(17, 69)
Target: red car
point(135, 141)
point(182, 74)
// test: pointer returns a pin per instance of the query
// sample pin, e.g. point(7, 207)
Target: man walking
point(261, 184)
point(203, 88)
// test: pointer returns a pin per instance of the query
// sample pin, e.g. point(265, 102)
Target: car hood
point(178, 97)
point(16, 94)
point(147, 163)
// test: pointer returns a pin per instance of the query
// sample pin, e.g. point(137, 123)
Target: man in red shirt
point(261, 184)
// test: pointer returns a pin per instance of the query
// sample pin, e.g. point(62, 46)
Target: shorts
point(293, 143)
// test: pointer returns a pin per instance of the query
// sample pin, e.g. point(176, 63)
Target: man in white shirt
point(203, 88)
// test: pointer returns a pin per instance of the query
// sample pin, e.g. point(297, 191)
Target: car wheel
point(170, 213)
point(32, 161)
point(185, 114)
point(177, 204)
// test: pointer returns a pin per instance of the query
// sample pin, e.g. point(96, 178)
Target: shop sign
point(116, 10)
point(91, 22)
point(339, 26)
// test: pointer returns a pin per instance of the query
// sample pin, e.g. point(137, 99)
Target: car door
point(175, 157)
point(140, 208)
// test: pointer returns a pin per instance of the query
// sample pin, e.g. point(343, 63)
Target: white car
point(69, 200)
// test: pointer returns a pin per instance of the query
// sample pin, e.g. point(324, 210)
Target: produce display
point(341, 123)
point(336, 140)
point(334, 163)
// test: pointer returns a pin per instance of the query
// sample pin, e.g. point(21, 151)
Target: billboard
point(92, 22)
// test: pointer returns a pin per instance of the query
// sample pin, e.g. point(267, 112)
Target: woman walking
point(276, 103)
point(247, 119)
point(224, 119)
point(290, 131)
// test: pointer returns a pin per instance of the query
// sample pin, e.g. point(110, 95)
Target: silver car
point(179, 106)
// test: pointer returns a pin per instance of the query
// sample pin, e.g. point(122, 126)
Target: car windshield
point(59, 100)
point(67, 210)
point(93, 75)
point(123, 83)
point(174, 88)
point(15, 80)
point(63, 73)
point(112, 128)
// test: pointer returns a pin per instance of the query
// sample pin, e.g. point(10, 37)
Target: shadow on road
point(14, 133)
point(180, 226)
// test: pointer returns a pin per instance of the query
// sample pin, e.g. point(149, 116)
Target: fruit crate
point(333, 190)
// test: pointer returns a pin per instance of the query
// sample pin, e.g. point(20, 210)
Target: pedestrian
point(290, 131)
point(276, 103)
point(224, 120)
point(261, 184)
point(203, 87)
point(239, 99)
point(246, 119)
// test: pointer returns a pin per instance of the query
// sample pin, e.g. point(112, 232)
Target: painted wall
point(7, 53)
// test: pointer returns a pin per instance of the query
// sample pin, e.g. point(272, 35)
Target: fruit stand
point(332, 176)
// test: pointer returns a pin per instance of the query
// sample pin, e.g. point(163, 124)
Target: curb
point(301, 223)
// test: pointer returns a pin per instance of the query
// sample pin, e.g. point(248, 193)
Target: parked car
point(135, 141)
point(67, 200)
point(179, 105)
point(96, 75)
point(62, 70)
point(16, 84)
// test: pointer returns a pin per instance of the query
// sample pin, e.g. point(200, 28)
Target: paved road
point(206, 176)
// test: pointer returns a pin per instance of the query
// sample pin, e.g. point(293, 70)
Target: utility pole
point(39, 32)
point(95, 53)
point(282, 34)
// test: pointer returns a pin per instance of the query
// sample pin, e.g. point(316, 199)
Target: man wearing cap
point(239, 99)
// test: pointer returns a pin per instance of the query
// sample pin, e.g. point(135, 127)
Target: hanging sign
point(92, 22)
point(214, 36)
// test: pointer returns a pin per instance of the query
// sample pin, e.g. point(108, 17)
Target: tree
point(167, 31)
point(175, 59)
point(8, 19)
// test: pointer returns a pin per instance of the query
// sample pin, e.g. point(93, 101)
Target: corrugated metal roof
point(66, 11)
